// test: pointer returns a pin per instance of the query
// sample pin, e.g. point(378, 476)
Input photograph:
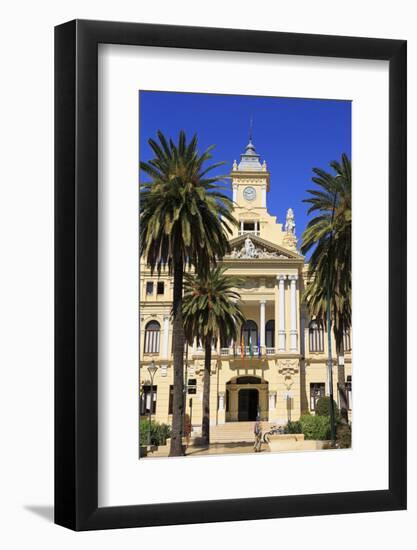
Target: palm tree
point(184, 219)
point(330, 235)
point(211, 310)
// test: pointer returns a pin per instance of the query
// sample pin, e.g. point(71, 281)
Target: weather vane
point(251, 128)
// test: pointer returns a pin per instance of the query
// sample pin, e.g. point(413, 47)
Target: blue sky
point(293, 136)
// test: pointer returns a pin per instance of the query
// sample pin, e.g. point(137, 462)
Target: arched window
point(250, 333)
point(225, 342)
point(270, 334)
point(347, 345)
point(316, 337)
point(152, 337)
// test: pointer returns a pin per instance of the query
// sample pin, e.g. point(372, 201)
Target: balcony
point(236, 352)
point(249, 232)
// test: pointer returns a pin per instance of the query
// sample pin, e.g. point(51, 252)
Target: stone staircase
point(235, 432)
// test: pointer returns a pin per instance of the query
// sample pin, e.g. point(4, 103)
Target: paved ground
point(224, 449)
point(214, 449)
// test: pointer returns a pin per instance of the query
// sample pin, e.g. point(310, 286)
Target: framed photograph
point(230, 337)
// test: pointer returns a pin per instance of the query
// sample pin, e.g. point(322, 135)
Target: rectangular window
point(149, 288)
point(347, 346)
point(160, 287)
point(145, 399)
point(192, 386)
point(317, 390)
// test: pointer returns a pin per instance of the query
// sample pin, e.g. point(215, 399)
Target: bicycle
point(274, 430)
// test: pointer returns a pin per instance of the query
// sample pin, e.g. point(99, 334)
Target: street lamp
point(152, 370)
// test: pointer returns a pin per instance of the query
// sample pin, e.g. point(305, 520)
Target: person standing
point(258, 436)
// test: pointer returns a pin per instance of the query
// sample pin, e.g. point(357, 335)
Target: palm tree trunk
point(176, 448)
point(341, 378)
point(205, 432)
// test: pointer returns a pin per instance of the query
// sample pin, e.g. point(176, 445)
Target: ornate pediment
point(250, 247)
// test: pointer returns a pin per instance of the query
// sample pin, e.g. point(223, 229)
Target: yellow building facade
point(278, 369)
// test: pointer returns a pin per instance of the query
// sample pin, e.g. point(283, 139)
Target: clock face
point(249, 193)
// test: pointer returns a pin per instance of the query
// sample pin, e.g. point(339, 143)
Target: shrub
point(293, 427)
point(323, 407)
point(344, 436)
point(159, 432)
point(315, 427)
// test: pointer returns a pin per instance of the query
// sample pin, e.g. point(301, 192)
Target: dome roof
point(249, 160)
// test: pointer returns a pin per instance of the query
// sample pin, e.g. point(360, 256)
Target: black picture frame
point(76, 272)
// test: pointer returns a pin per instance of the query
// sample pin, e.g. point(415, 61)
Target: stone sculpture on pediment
point(250, 251)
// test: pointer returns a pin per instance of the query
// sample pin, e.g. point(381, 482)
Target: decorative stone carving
point(199, 367)
point(288, 368)
point(163, 370)
point(290, 240)
point(250, 251)
point(250, 283)
point(272, 395)
point(221, 400)
point(290, 222)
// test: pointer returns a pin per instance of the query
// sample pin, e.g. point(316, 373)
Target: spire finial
point(250, 128)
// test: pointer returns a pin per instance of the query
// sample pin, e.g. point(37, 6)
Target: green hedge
point(293, 427)
point(318, 427)
point(313, 427)
point(323, 408)
point(159, 432)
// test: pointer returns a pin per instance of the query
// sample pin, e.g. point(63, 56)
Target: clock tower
point(250, 180)
point(250, 184)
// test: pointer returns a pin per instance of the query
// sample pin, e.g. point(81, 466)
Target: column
point(272, 400)
point(293, 313)
point(276, 315)
point(165, 343)
point(234, 193)
point(262, 323)
point(281, 314)
point(263, 195)
point(221, 412)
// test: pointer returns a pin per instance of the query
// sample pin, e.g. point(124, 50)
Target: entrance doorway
point(248, 404)
point(246, 397)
